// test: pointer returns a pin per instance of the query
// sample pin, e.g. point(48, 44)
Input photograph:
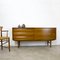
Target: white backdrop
point(32, 13)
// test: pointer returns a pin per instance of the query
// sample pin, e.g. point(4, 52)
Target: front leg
point(47, 43)
point(50, 43)
point(18, 44)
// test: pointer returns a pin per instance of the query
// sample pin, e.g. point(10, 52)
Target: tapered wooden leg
point(47, 43)
point(9, 44)
point(50, 43)
point(1, 45)
point(18, 44)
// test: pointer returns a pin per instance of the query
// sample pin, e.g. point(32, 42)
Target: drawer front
point(22, 38)
point(22, 34)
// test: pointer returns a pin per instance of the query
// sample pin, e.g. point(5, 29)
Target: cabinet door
point(45, 34)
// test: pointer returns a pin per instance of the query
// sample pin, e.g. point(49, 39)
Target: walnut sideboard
point(34, 34)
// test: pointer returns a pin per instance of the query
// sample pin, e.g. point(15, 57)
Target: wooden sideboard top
point(35, 27)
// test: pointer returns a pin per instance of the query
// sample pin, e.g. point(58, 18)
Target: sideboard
point(47, 34)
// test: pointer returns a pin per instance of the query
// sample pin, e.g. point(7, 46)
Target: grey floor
point(31, 53)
